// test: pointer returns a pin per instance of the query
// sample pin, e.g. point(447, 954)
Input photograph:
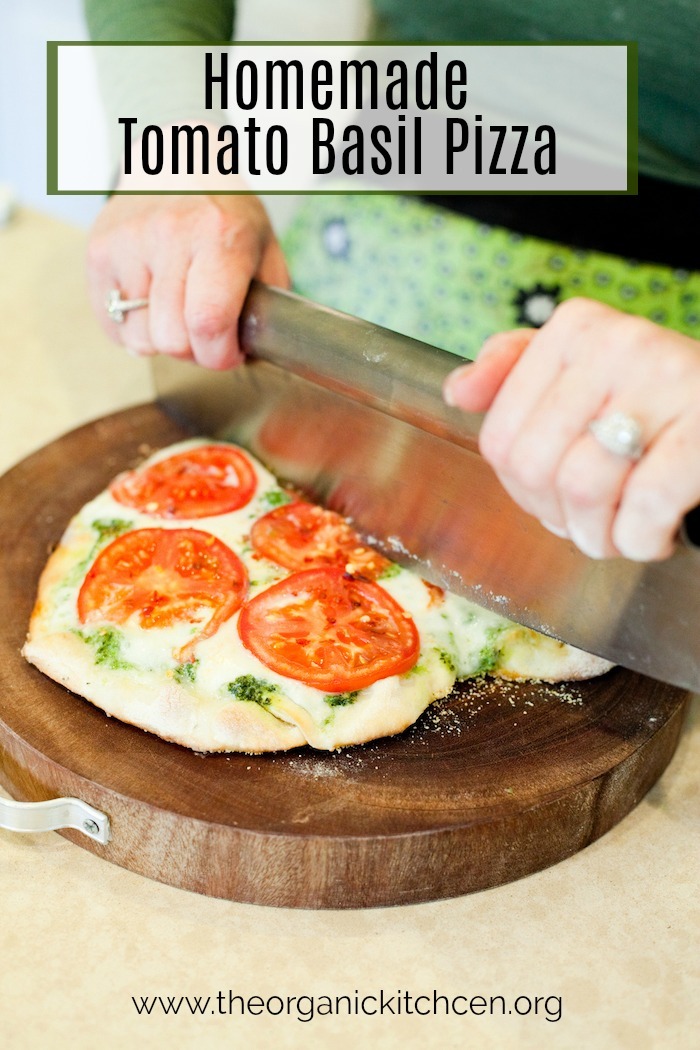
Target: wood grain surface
point(498, 781)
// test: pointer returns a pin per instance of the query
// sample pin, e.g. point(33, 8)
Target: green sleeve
point(164, 86)
point(181, 20)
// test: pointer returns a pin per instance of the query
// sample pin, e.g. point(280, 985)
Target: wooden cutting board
point(497, 782)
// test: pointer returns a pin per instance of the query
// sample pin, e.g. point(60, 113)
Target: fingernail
point(584, 544)
point(450, 388)
point(555, 530)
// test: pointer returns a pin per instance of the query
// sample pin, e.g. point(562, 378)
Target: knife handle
point(375, 366)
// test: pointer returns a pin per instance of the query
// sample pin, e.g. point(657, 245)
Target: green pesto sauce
point(185, 673)
point(341, 699)
point(447, 660)
point(275, 497)
point(109, 529)
point(391, 570)
point(106, 644)
point(251, 689)
point(413, 671)
point(488, 660)
point(489, 654)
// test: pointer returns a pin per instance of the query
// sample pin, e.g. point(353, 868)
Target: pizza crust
point(159, 705)
point(530, 657)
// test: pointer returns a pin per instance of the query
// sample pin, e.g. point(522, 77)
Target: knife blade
point(352, 414)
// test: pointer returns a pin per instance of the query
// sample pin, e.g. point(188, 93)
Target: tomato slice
point(302, 536)
point(329, 630)
point(198, 483)
point(165, 576)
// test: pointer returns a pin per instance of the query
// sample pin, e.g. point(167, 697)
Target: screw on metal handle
point(54, 814)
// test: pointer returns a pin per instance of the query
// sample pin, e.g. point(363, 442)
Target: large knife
point(352, 414)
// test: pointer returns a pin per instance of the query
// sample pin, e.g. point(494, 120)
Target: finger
point(659, 492)
point(166, 307)
point(133, 332)
point(545, 405)
point(215, 290)
point(472, 387)
point(591, 479)
point(546, 437)
point(589, 483)
point(546, 356)
point(100, 279)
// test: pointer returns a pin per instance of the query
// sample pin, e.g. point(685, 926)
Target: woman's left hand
point(541, 390)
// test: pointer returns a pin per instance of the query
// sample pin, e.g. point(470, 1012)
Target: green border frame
point(632, 117)
point(52, 119)
point(52, 47)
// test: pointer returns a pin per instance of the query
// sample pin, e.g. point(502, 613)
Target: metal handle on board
point(54, 814)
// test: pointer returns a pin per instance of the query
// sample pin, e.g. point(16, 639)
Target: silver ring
point(117, 307)
point(619, 434)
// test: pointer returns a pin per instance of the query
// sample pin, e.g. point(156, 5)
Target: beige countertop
point(613, 931)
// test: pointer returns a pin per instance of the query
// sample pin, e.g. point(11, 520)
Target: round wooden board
point(497, 782)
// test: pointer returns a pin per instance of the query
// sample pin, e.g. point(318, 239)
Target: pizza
point(200, 600)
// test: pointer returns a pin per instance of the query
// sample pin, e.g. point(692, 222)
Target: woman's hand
point(193, 258)
point(541, 390)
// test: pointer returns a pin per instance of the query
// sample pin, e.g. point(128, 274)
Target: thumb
point(473, 387)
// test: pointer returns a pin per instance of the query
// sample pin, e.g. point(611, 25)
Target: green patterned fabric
point(451, 281)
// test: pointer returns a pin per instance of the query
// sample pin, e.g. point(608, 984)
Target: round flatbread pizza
point(198, 599)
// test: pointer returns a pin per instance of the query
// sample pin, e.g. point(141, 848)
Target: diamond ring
point(118, 307)
point(619, 434)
